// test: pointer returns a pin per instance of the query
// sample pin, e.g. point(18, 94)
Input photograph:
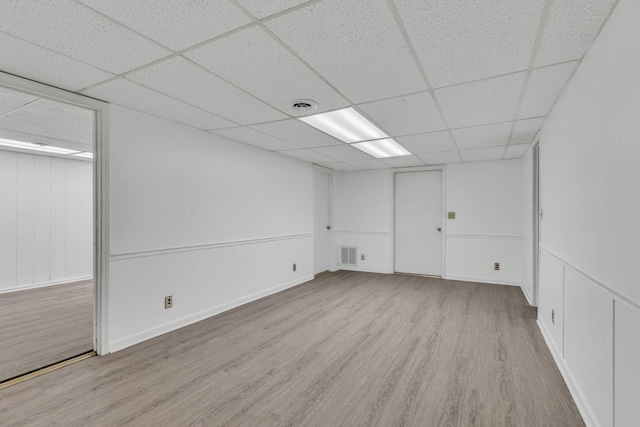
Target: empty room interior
point(319, 213)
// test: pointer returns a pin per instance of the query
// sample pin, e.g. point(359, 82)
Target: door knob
point(328, 227)
point(439, 229)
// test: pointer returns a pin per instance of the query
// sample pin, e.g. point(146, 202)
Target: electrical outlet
point(361, 257)
point(168, 302)
point(294, 267)
point(553, 316)
point(451, 215)
point(496, 266)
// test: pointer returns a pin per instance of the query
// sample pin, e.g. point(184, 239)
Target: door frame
point(443, 214)
point(100, 194)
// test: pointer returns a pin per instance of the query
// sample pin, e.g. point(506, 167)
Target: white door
point(418, 223)
point(322, 235)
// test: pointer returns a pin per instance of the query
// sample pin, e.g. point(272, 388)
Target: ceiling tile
point(481, 154)
point(69, 28)
point(428, 142)
point(307, 155)
point(482, 136)
point(544, 88)
point(190, 83)
point(405, 115)
point(355, 44)
point(177, 24)
point(460, 41)
point(262, 9)
point(441, 158)
point(404, 161)
point(571, 27)
point(255, 138)
point(298, 133)
point(12, 99)
point(370, 164)
point(483, 102)
point(516, 151)
point(339, 166)
point(37, 63)
point(525, 130)
point(343, 153)
point(256, 62)
point(131, 95)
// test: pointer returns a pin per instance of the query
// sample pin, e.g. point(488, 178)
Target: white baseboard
point(527, 295)
point(480, 280)
point(201, 315)
point(583, 407)
point(44, 285)
point(365, 270)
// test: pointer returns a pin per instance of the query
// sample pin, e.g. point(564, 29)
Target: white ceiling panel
point(253, 60)
point(525, 130)
point(343, 153)
point(405, 115)
point(544, 88)
point(131, 95)
point(441, 158)
point(340, 166)
point(481, 154)
point(403, 161)
point(355, 44)
point(262, 9)
point(461, 41)
point(298, 133)
point(571, 27)
point(307, 155)
point(428, 142)
point(43, 65)
point(516, 151)
point(11, 99)
point(177, 24)
point(70, 28)
point(482, 136)
point(483, 102)
point(255, 138)
point(370, 164)
point(190, 83)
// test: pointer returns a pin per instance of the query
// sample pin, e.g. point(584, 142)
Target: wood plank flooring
point(347, 349)
point(42, 326)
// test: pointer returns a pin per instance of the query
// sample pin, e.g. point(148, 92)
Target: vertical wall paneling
point(85, 222)
point(551, 298)
point(25, 220)
point(8, 217)
point(72, 220)
point(42, 226)
point(58, 218)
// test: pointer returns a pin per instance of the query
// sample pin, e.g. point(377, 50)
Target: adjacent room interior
point(373, 212)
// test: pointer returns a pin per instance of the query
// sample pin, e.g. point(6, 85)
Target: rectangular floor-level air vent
point(348, 255)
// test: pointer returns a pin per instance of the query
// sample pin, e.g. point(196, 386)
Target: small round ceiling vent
point(303, 105)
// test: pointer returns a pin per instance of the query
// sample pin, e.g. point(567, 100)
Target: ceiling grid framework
point(449, 81)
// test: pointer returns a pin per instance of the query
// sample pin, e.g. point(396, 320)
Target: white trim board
point(364, 270)
point(46, 285)
point(480, 280)
point(201, 315)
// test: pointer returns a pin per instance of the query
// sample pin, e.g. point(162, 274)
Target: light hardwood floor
point(347, 349)
point(42, 326)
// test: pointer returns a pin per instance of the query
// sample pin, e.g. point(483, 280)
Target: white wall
point(486, 197)
point(214, 223)
point(589, 192)
point(46, 217)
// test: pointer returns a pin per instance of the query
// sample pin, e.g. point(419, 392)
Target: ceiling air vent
point(303, 105)
point(348, 255)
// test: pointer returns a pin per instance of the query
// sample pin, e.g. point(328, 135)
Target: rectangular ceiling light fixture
point(35, 147)
point(84, 155)
point(382, 148)
point(347, 125)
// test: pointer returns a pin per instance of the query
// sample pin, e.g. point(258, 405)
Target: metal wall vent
point(348, 255)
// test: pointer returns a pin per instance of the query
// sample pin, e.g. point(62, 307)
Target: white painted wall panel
point(364, 201)
point(627, 365)
point(376, 247)
point(25, 220)
point(85, 223)
point(472, 259)
point(588, 343)
point(8, 218)
point(58, 219)
point(551, 289)
point(72, 220)
point(42, 225)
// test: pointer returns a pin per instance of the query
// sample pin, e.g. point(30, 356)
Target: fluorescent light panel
point(35, 147)
point(84, 155)
point(347, 125)
point(382, 148)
